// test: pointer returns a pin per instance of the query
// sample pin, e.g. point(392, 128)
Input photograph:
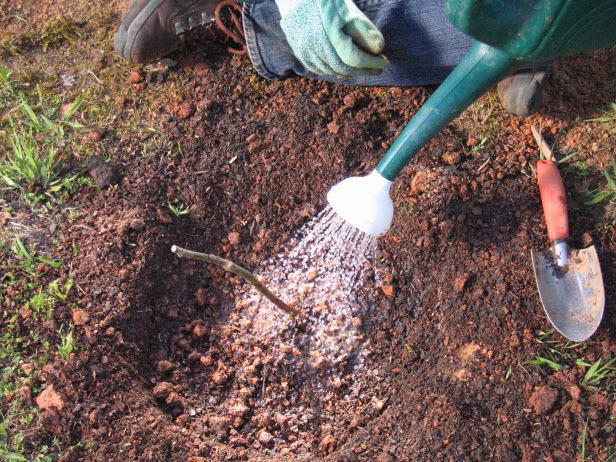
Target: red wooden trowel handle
point(553, 200)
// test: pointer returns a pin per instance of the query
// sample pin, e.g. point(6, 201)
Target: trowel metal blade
point(573, 298)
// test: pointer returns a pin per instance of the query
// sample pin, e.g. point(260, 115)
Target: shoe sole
point(125, 37)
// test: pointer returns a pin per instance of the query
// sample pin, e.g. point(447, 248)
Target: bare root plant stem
point(228, 265)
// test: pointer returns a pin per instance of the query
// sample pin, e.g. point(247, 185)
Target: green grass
point(65, 348)
point(36, 137)
point(599, 376)
point(57, 32)
point(27, 282)
point(178, 209)
point(608, 191)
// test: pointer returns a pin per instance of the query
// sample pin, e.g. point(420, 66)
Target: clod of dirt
point(459, 283)
point(164, 366)
point(162, 390)
point(80, 317)
point(173, 312)
point(163, 217)
point(174, 400)
point(333, 127)
point(93, 135)
point(421, 182)
point(199, 330)
point(384, 457)
point(220, 426)
point(196, 212)
point(25, 393)
point(451, 158)
point(327, 444)
point(103, 174)
point(221, 375)
point(586, 240)
point(194, 356)
point(201, 296)
point(27, 368)
point(50, 398)
point(135, 77)
point(543, 399)
point(183, 110)
point(574, 391)
point(238, 410)
point(234, 238)
point(388, 290)
point(265, 437)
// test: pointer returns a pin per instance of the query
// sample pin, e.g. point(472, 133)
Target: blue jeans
point(421, 44)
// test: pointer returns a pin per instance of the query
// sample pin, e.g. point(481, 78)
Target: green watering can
point(509, 35)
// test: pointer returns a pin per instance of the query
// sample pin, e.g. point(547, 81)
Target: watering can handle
point(481, 68)
point(553, 200)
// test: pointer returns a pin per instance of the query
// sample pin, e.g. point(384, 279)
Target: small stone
point(134, 77)
point(164, 366)
point(234, 238)
point(194, 356)
point(312, 274)
point(377, 403)
point(543, 399)
point(162, 390)
point(199, 331)
point(451, 158)
point(459, 283)
point(163, 217)
point(206, 360)
point(264, 436)
point(80, 317)
point(50, 398)
point(110, 331)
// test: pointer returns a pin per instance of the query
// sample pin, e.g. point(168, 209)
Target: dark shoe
point(520, 93)
point(150, 29)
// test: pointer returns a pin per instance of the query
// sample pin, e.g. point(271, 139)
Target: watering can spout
point(364, 202)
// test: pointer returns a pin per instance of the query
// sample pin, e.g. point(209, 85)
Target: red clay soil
point(161, 376)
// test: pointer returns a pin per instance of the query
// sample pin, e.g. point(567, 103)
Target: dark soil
point(159, 374)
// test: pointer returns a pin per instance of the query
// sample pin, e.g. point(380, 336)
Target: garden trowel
point(569, 280)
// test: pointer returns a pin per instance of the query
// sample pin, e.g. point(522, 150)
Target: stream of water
point(321, 273)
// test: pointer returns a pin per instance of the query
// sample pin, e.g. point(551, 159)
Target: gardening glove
point(332, 37)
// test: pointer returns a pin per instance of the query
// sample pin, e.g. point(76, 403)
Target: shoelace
point(227, 17)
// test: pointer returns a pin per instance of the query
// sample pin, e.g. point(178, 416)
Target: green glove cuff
point(326, 35)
